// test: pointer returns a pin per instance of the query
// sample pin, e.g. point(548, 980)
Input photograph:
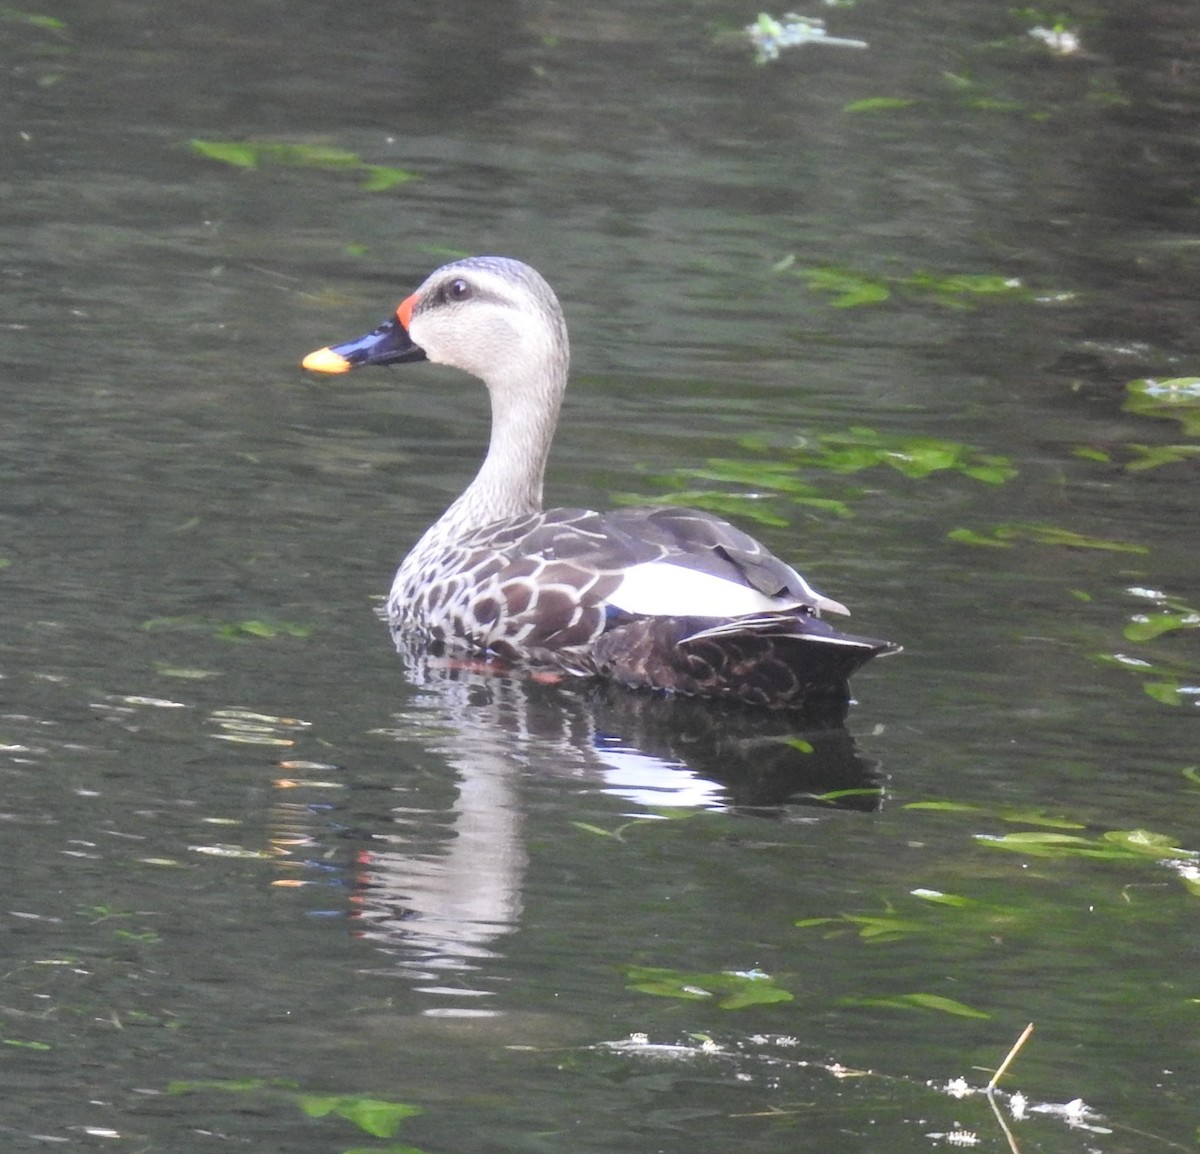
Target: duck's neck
point(525, 409)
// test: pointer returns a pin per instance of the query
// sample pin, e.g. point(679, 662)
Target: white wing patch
point(661, 589)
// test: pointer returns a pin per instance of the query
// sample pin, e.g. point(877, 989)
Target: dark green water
point(239, 843)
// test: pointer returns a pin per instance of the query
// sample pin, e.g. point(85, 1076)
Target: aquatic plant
point(769, 36)
point(257, 154)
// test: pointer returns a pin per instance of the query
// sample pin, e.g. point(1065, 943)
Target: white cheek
point(660, 589)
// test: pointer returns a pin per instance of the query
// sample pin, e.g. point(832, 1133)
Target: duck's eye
point(458, 290)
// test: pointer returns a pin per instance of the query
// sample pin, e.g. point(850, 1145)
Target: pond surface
point(265, 886)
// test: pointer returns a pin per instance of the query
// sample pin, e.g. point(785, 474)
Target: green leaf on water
point(33, 19)
point(233, 1085)
point(1175, 398)
point(971, 537)
point(878, 104)
point(729, 990)
point(1042, 535)
point(257, 154)
point(1154, 456)
point(1016, 814)
point(883, 929)
point(1164, 692)
point(380, 177)
point(374, 1115)
point(24, 1044)
point(266, 630)
point(919, 1002)
point(967, 284)
point(915, 456)
point(229, 152)
point(1116, 845)
point(1146, 627)
point(848, 289)
point(799, 744)
point(1037, 844)
point(1155, 845)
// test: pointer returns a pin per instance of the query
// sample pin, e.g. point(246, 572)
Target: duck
point(658, 598)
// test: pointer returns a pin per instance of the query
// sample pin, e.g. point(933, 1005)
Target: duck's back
point(669, 598)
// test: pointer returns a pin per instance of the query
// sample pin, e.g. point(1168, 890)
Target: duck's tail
point(779, 661)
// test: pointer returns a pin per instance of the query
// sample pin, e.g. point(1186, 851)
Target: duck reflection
point(438, 896)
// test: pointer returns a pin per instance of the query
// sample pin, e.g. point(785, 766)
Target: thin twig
point(991, 1098)
point(1011, 1055)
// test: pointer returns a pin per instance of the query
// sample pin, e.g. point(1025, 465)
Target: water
point(239, 843)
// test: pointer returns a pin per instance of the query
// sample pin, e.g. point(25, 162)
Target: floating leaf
point(241, 155)
point(878, 104)
point(780, 478)
point(1037, 844)
point(1116, 845)
point(255, 154)
point(1164, 692)
point(1146, 627)
point(800, 746)
point(374, 1115)
point(1043, 535)
point(970, 537)
point(1153, 456)
point(1142, 841)
point(34, 19)
point(1177, 398)
point(883, 929)
point(848, 289)
point(967, 284)
point(921, 1002)
point(266, 630)
point(1004, 813)
point(862, 448)
point(727, 989)
point(1167, 682)
point(380, 177)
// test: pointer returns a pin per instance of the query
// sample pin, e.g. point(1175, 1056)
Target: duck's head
point(486, 315)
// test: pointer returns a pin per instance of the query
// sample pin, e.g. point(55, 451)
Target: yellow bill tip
point(325, 361)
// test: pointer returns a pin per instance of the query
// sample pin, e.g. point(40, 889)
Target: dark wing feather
point(702, 541)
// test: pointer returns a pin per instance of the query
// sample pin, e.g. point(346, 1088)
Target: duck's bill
point(389, 344)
